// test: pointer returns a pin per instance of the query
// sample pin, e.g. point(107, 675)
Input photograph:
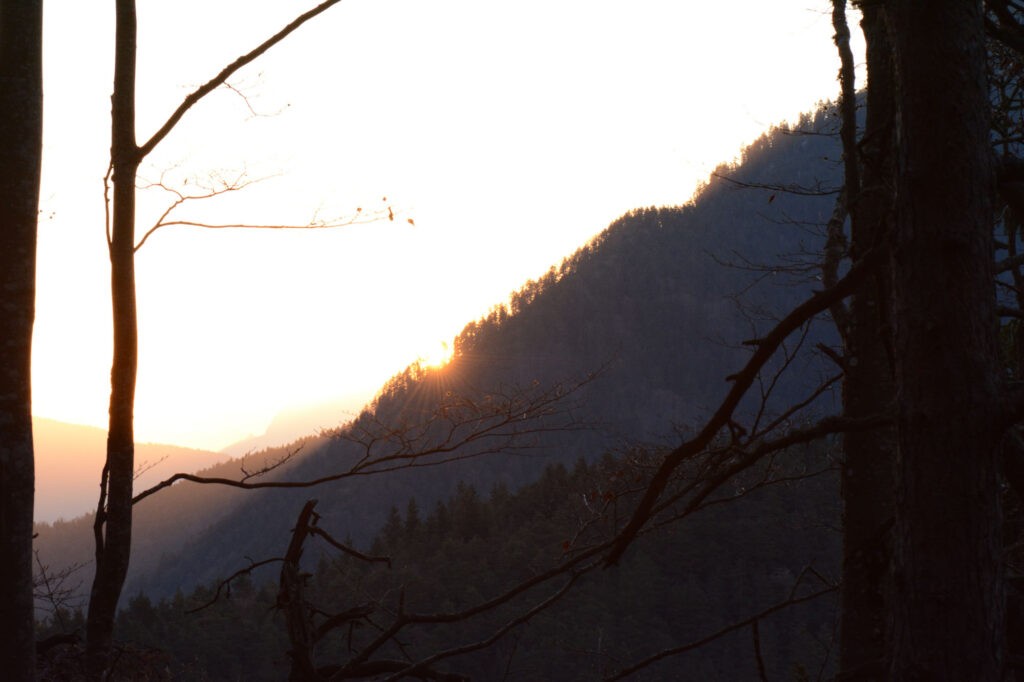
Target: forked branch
point(742, 381)
point(460, 428)
point(227, 72)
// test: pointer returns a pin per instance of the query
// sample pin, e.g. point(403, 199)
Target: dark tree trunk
point(869, 456)
point(113, 525)
point(21, 128)
point(948, 604)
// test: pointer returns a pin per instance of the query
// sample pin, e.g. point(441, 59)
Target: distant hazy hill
point(162, 523)
point(69, 459)
point(293, 424)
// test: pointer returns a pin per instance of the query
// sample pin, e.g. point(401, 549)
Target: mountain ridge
point(654, 300)
point(642, 301)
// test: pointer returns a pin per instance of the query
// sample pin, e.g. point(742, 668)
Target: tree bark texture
point(113, 525)
point(947, 612)
point(869, 456)
point(21, 128)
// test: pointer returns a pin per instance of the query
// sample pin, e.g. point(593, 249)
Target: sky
point(510, 133)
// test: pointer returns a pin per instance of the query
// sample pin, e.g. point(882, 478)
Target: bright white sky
point(510, 132)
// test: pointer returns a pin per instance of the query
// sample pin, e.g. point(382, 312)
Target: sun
point(437, 355)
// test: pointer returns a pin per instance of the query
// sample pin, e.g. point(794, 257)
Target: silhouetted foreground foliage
point(679, 586)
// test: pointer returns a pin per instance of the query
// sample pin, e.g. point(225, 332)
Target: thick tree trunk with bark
point(113, 525)
point(948, 605)
point(869, 456)
point(21, 129)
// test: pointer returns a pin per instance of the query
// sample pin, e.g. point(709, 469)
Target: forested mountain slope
point(674, 588)
point(656, 306)
point(650, 305)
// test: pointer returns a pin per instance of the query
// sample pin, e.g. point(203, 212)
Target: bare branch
point(468, 429)
point(574, 565)
point(818, 303)
point(220, 187)
point(225, 585)
point(1007, 311)
point(824, 427)
point(798, 190)
point(303, 635)
point(245, 100)
point(227, 72)
point(756, 635)
point(357, 219)
point(53, 587)
point(791, 411)
point(267, 467)
point(106, 203)
point(1009, 263)
point(740, 625)
point(143, 467)
point(419, 666)
point(347, 549)
point(833, 355)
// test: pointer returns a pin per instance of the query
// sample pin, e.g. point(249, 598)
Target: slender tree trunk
point(113, 525)
point(949, 593)
point(21, 130)
point(869, 456)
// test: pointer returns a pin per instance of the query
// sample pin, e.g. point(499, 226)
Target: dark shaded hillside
point(649, 304)
point(672, 589)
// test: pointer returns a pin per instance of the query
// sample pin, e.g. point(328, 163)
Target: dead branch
point(461, 428)
point(291, 601)
point(223, 187)
point(756, 635)
point(53, 588)
point(740, 625)
point(347, 549)
point(797, 190)
point(575, 564)
point(227, 72)
point(825, 427)
point(419, 666)
point(767, 389)
point(143, 467)
point(742, 380)
point(303, 636)
point(225, 585)
point(790, 412)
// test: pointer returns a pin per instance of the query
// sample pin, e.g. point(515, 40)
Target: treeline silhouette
point(470, 546)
